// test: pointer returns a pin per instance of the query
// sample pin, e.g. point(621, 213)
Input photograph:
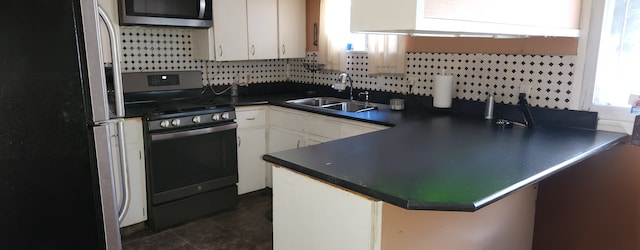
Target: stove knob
point(175, 122)
point(165, 124)
point(225, 115)
point(196, 119)
point(215, 117)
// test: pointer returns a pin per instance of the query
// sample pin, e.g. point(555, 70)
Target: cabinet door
point(291, 28)
point(251, 168)
point(287, 118)
point(280, 140)
point(262, 18)
point(230, 29)
point(323, 126)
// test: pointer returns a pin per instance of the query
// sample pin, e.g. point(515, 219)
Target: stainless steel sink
point(351, 106)
point(332, 103)
point(317, 101)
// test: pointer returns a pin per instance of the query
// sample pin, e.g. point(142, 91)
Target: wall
point(592, 205)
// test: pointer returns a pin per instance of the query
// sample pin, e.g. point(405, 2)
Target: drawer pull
point(251, 119)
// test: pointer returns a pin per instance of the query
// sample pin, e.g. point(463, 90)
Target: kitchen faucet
point(342, 79)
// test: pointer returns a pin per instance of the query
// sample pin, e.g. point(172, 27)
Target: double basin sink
point(331, 103)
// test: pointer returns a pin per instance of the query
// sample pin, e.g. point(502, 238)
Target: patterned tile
point(162, 49)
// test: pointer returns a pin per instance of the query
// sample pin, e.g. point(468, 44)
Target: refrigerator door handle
point(124, 169)
point(119, 102)
point(115, 58)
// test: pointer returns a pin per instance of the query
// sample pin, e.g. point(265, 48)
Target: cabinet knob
point(253, 50)
point(220, 49)
point(284, 50)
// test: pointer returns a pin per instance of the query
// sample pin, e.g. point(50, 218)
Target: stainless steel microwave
point(181, 13)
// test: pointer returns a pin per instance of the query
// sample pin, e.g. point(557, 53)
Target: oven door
point(188, 162)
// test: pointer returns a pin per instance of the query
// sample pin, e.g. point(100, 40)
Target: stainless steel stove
point(190, 144)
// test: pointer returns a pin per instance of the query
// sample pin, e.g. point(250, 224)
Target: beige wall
point(529, 46)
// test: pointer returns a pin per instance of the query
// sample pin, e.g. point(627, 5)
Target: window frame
point(617, 119)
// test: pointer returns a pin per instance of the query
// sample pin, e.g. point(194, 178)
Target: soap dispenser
point(488, 109)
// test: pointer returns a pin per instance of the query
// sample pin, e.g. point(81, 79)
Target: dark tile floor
point(247, 227)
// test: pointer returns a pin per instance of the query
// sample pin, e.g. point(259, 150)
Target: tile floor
point(246, 227)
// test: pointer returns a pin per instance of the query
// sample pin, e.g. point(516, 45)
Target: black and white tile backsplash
point(165, 49)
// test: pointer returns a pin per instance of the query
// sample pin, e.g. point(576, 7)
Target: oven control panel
point(190, 120)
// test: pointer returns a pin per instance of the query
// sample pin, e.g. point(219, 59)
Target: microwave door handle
point(115, 57)
point(203, 7)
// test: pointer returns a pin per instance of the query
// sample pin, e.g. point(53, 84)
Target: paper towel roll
point(443, 91)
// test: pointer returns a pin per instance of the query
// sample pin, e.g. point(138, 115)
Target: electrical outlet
point(526, 88)
point(411, 82)
point(288, 71)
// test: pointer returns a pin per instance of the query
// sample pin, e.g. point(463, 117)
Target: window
point(386, 53)
point(612, 59)
point(358, 42)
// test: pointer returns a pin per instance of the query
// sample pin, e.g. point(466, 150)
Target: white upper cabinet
point(291, 28)
point(230, 30)
point(262, 16)
point(253, 30)
point(558, 18)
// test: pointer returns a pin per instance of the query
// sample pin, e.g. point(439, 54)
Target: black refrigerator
point(56, 159)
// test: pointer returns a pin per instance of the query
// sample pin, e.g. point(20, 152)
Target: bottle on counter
point(488, 109)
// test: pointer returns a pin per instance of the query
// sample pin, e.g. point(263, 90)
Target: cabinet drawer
point(317, 125)
point(250, 118)
point(288, 120)
point(348, 129)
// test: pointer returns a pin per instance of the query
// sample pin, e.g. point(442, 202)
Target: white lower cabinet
point(291, 129)
point(252, 145)
point(268, 129)
point(282, 139)
point(251, 167)
point(134, 140)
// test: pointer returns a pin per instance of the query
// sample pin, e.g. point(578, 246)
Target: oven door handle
point(167, 136)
